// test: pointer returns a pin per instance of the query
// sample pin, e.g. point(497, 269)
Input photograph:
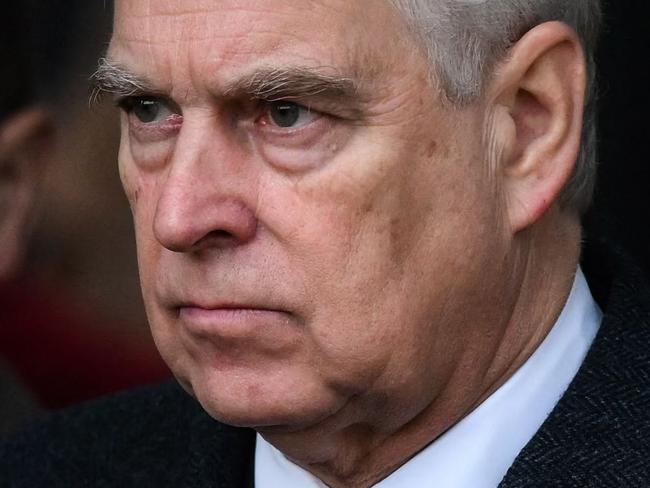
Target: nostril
point(216, 238)
point(220, 234)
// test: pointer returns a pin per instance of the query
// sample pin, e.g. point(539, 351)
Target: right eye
point(148, 110)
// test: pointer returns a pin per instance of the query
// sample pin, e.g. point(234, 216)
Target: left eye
point(290, 115)
point(147, 110)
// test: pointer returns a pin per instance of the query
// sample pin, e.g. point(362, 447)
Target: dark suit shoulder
point(599, 433)
point(146, 437)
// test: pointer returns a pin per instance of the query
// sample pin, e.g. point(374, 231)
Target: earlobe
point(540, 91)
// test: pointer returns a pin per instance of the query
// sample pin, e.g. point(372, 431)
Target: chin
point(265, 400)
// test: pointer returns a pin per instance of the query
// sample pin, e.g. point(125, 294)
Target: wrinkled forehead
point(221, 35)
point(162, 21)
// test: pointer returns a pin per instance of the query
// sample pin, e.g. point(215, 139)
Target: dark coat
point(597, 436)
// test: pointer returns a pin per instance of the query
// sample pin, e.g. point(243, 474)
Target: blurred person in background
point(75, 300)
point(25, 136)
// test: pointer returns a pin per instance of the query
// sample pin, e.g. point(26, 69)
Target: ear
point(25, 145)
point(537, 98)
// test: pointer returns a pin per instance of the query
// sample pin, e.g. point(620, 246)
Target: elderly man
point(358, 235)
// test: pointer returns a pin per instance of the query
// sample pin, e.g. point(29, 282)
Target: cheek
point(139, 184)
point(126, 167)
point(140, 192)
point(381, 246)
point(349, 236)
point(131, 187)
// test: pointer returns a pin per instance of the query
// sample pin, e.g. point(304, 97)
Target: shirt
point(477, 451)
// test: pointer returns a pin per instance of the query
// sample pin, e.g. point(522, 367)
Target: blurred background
point(72, 325)
point(622, 202)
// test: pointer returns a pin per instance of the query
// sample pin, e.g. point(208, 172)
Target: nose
point(205, 199)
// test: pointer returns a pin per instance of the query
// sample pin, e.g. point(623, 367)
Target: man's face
point(314, 227)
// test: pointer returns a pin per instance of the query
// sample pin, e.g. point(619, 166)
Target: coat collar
point(599, 432)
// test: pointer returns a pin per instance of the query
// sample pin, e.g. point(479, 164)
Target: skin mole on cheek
point(395, 229)
point(430, 149)
point(399, 243)
point(368, 206)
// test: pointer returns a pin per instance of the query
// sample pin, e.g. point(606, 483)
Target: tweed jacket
point(597, 436)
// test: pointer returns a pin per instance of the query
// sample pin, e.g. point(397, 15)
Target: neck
point(542, 267)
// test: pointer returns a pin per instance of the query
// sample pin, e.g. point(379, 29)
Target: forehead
point(229, 35)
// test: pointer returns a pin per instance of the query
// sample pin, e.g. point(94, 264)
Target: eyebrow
point(275, 84)
point(111, 78)
point(266, 83)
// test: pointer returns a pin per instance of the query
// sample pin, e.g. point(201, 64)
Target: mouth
point(195, 312)
point(230, 320)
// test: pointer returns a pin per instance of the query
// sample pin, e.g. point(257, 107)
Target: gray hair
point(466, 39)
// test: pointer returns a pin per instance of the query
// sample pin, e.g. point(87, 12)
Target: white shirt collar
point(478, 450)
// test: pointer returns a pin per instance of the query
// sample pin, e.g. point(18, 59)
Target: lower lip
point(230, 322)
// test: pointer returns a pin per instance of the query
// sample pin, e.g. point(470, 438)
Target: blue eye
point(287, 115)
point(148, 110)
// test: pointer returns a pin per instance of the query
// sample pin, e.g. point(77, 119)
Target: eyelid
point(338, 108)
point(310, 104)
point(267, 124)
point(127, 102)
